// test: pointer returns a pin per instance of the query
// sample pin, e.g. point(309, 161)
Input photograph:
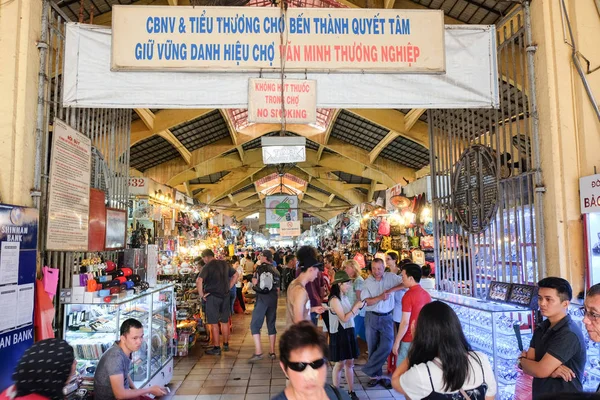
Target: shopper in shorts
point(214, 283)
point(111, 379)
point(266, 304)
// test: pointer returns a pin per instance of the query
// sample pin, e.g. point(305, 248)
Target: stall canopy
point(471, 79)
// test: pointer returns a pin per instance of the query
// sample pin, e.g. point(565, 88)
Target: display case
point(93, 328)
point(490, 328)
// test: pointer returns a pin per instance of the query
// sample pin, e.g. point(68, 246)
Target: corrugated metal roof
point(484, 12)
point(406, 152)
point(349, 178)
point(212, 178)
point(358, 131)
point(202, 131)
point(151, 152)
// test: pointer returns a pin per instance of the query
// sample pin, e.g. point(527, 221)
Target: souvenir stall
point(404, 226)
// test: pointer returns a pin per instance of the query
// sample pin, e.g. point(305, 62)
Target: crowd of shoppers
point(328, 303)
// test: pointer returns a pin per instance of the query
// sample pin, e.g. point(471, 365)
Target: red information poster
point(97, 228)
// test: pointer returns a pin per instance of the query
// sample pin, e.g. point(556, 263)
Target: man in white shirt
point(378, 292)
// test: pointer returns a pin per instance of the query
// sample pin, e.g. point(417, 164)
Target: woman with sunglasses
point(440, 363)
point(303, 359)
point(343, 348)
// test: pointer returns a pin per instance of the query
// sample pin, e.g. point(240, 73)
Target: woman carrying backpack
point(266, 285)
point(440, 363)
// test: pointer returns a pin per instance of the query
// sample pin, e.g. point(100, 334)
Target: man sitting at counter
point(556, 355)
point(112, 380)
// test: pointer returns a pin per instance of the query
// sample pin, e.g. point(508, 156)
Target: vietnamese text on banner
point(249, 39)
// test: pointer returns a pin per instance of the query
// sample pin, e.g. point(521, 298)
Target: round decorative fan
point(399, 201)
point(475, 189)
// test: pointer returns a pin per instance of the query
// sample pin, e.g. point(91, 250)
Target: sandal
point(272, 356)
point(373, 382)
point(386, 383)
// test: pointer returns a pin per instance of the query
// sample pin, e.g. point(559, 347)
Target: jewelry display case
point(491, 328)
point(93, 328)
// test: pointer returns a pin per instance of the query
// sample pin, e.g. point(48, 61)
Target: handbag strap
point(465, 395)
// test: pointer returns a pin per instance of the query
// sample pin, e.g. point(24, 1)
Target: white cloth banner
point(471, 79)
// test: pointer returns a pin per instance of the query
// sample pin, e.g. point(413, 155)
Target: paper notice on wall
point(69, 195)
point(8, 305)
point(9, 262)
point(25, 298)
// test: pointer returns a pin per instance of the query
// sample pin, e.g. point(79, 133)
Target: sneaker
point(255, 358)
point(272, 356)
point(353, 396)
point(225, 346)
point(215, 351)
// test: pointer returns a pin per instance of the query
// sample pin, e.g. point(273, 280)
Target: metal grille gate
point(508, 249)
point(109, 130)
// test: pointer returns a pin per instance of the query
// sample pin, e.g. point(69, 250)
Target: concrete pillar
point(569, 130)
point(20, 27)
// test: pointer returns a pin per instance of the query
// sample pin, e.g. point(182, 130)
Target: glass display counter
point(489, 328)
point(93, 328)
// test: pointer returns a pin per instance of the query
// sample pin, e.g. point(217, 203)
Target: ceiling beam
point(389, 138)
point(217, 191)
point(169, 137)
point(389, 3)
point(411, 118)
point(393, 120)
point(163, 119)
point(172, 2)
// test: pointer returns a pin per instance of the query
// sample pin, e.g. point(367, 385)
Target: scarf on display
point(44, 369)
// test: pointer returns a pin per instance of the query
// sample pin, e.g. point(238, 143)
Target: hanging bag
point(384, 227)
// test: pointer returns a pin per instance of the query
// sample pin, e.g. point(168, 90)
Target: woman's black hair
point(234, 259)
point(439, 334)
point(335, 291)
point(303, 334)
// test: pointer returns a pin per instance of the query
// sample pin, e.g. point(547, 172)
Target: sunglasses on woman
point(300, 366)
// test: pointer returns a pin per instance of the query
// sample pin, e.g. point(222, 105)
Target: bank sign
point(589, 192)
point(249, 39)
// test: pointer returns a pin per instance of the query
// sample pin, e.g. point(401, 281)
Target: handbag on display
point(384, 227)
point(418, 257)
point(427, 242)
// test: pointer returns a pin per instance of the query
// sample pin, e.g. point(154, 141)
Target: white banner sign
point(289, 228)
point(69, 194)
point(281, 209)
point(249, 39)
point(299, 97)
point(471, 79)
point(589, 191)
point(391, 192)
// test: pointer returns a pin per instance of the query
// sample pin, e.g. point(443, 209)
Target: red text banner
point(265, 100)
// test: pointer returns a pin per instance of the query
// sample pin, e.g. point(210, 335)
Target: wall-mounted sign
point(289, 228)
point(248, 39)
point(281, 209)
point(18, 249)
point(69, 193)
point(299, 99)
point(589, 192)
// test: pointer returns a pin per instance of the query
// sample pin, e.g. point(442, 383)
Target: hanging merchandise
point(384, 227)
point(418, 257)
point(386, 243)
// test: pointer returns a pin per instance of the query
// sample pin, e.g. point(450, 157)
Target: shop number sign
point(589, 191)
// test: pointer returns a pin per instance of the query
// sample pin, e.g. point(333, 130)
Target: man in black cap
point(214, 283)
point(266, 285)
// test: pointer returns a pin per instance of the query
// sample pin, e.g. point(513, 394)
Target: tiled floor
point(230, 377)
